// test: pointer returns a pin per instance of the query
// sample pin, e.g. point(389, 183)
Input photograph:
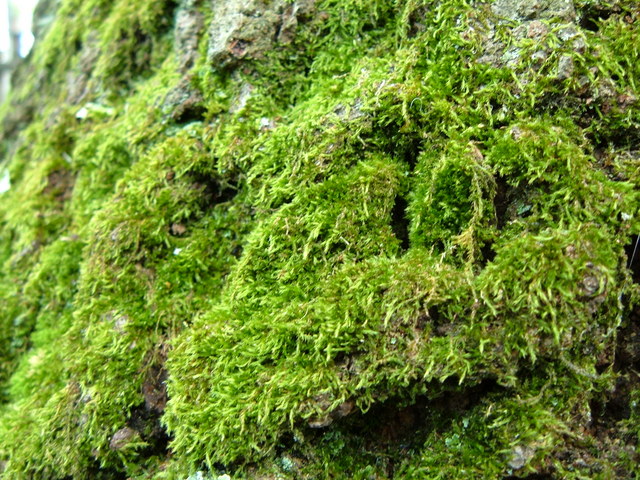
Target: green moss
point(391, 246)
point(452, 200)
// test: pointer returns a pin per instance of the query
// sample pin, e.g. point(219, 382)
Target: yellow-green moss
point(391, 246)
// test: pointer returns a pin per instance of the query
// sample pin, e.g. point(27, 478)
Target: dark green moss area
point(322, 239)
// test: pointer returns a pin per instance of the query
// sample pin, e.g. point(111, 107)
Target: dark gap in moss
point(368, 27)
point(394, 428)
point(616, 405)
point(214, 190)
point(632, 249)
point(628, 347)
point(416, 19)
point(190, 113)
point(411, 152)
point(141, 57)
point(602, 158)
point(154, 388)
point(589, 23)
point(438, 246)
point(592, 15)
point(390, 138)
point(606, 125)
point(440, 325)
point(100, 472)
point(622, 137)
point(236, 252)
point(185, 102)
point(423, 320)
point(552, 101)
point(585, 116)
point(488, 254)
point(494, 104)
point(277, 30)
point(399, 221)
point(148, 425)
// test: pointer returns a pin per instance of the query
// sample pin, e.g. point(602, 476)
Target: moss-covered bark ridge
point(330, 239)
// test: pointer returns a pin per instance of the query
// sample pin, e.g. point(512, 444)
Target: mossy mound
point(322, 239)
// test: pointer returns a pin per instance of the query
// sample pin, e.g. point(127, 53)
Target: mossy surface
point(361, 239)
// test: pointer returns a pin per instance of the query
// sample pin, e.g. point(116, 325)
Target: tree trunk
point(322, 239)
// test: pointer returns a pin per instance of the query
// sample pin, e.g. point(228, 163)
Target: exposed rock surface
point(523, 10)
point(248, 28)
point(188, 29)
point(122, 438)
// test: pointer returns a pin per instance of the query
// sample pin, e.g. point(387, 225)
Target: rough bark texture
point(322, 239)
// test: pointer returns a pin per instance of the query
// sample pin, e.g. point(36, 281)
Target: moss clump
point(362, 240)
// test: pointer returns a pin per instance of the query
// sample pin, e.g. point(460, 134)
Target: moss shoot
point(322, 239)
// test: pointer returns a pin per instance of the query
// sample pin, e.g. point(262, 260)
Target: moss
point(452, 200)
point(393, 245)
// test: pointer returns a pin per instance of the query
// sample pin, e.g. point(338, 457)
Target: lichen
point(330, 239)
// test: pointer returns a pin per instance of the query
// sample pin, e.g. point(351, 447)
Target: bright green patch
point(391, 246)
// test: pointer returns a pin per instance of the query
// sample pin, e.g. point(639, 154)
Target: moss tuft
point(358, 240)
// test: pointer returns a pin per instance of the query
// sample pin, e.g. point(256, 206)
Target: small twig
point(635, 249)
point(577, 369)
